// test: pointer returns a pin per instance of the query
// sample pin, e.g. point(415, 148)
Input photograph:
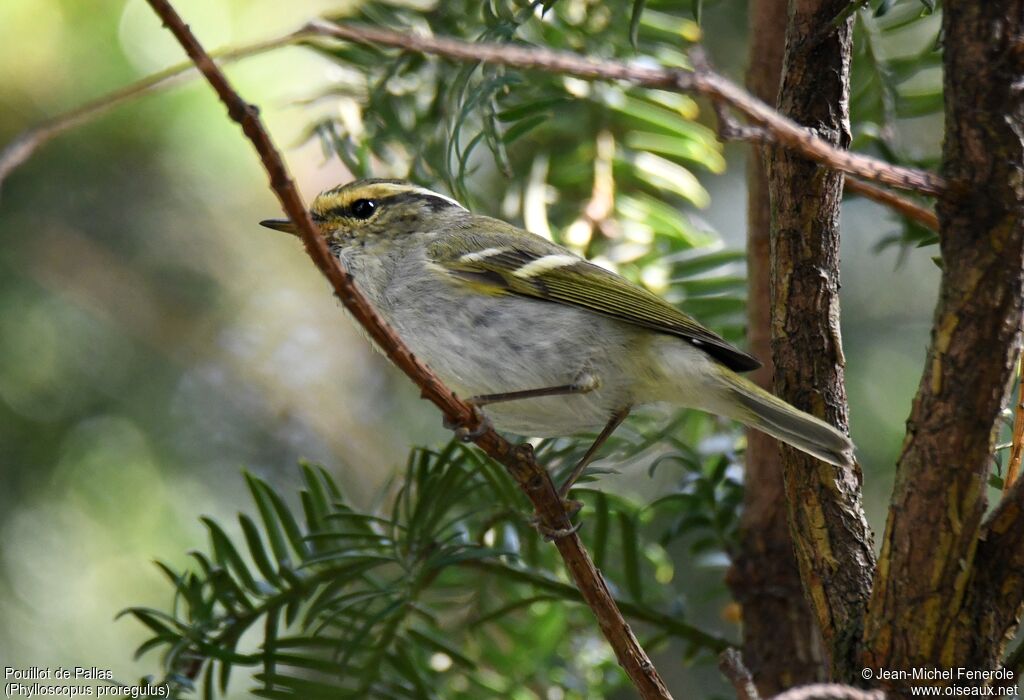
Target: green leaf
point(523, 126)
point(226, 555)
point(432, 641)
point(705, 153)
point(354, 642)
point(636, 110)
point(208, 693)
point(155, 620)
point(256, 550)
point(290, 525)
point(512, 607)
point(678, 501)
point(224, 676)
point(715, 286)
point(665, 175)
point(527, 109)
point(601, 518)
point(468, 554)
point(402, 662)
point(919, 104)
point(883, 8)
point(630, 555)
point(634, 22)
point(708, 307)
point(718, 470)
point(691, 264)
point(260, 494)
point(317, 496)
point(293, 687)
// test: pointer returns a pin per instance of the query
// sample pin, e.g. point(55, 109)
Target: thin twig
point(731, 130)
point(730, 663)
point(908, 208)
point(1017, 443)
point(22, 146)
point(670, 624)
point(519, 460)
point(704, 82)
point(769, 127)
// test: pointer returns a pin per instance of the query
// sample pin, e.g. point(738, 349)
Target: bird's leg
point(614, 422)
point(583, 384)
point(573, 507)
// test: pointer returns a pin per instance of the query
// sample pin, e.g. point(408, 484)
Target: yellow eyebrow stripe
point(341, 198)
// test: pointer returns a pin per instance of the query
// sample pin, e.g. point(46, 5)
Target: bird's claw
point(551, 534)
point(467, 434)
point(555, 533)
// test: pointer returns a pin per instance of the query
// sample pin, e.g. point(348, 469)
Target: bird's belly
point(493, 344)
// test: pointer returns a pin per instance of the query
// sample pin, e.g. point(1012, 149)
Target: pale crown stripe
point(393, 188)
point(481, 254)
point(424, 190)
point(548, 262)
point(429, 192)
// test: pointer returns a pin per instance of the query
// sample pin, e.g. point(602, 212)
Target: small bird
point(547, 343)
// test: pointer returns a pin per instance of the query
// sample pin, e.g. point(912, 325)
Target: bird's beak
point(281, 225)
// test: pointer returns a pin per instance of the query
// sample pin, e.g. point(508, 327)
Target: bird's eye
point(363, 208)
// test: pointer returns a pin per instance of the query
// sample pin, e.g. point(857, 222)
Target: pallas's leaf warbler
point(548, 342)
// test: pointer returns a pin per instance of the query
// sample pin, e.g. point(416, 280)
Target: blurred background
point(154, 340)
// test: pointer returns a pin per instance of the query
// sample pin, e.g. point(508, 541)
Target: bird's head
point(375, 210)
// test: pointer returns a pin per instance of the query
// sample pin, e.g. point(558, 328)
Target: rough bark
point(781, 644)
point(833, 542)
point(995, 594)
point(942, 597)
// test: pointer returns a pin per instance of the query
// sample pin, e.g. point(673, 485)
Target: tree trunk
point(833, 542)
point(942, 597)
point(781, 644)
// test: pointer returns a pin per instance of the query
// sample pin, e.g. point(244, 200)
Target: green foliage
point(896, 82)
point(443, 591)
point(589, 160)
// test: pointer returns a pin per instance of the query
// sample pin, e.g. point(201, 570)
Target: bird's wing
point(534, 267)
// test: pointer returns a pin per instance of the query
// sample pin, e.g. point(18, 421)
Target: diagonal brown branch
point(769, 125)
point(704, 82)
point(519, 460)
point(730, 130)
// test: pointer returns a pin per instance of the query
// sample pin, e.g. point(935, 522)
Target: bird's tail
point(753, 406)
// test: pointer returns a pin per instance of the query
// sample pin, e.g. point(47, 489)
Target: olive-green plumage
point(496, 310)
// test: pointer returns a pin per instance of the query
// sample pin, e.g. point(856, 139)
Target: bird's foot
point(555, 533)
point(479, 425)
point(551, 534)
